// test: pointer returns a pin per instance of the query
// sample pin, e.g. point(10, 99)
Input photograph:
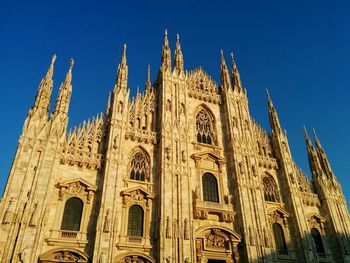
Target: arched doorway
point(217, 245)
point(64, 256)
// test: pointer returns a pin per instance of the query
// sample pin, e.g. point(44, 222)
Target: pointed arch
point(205, 125)
point(270, 189)
point(139, 165)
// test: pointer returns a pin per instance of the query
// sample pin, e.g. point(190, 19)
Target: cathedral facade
point(179, 173)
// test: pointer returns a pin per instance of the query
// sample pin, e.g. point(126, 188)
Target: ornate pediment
point(315, 221)
point(77, 187)
point(206, 159)
point(136, 195)
point(278, 215)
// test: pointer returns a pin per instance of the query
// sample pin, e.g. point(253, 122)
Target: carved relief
point(76, 188)
point(215, 239)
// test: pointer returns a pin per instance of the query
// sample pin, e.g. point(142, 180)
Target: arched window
point(316, 236)
point(270, 189)
point(210, 188)
point(139, 167)
point(280, 241)
point(204, 127)
point(72, 214)
point(135, 221)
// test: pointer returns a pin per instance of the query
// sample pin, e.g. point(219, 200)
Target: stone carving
point(137, 196)
point(9, 213)
point(69, 256)
point(115, 142)
point(215, 239)
point(168, 259)
point(106, 225)
point(76, 188)
point(241, 168)
point(255, 172)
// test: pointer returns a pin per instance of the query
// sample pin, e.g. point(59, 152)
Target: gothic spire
point(314, 161)
point(322, 155)
point(148, 81)
point(63, 98)
point(42, 99)
point(166, 53)
point(179, 61)
point(122, 73)
point(224, 74)
point(236, 79)
point(274, 120)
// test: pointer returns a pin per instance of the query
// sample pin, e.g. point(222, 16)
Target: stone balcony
point(67, 237)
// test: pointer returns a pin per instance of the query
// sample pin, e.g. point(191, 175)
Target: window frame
point(142, 221)
point(216, 185)
point(64, 214)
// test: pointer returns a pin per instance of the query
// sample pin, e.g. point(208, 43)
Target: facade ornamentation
point(169, 175)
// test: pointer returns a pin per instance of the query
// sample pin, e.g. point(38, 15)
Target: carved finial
point(315, 135)
point(166, 53)
point(124, 52)
point(53, 59)
point(235, 74)
point(122, 73)
point(148, 81)
point(224, 74)
point(179, 61)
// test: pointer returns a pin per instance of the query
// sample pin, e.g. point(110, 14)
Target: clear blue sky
point(300, 50)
